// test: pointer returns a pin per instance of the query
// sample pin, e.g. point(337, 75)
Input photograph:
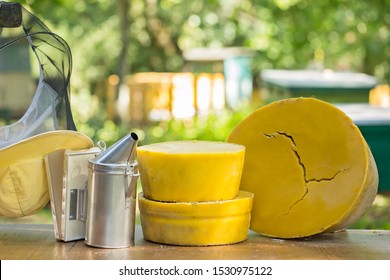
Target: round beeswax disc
point(308, 165)
point(190, 171)
point(196, 223)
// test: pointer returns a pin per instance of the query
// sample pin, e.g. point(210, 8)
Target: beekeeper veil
point(50, 108)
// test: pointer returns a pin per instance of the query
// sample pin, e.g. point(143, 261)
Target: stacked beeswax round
point(196, 223)
point(191, 193)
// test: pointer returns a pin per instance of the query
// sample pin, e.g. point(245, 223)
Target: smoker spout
point(121, 152)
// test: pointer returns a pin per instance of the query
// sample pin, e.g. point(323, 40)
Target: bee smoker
point(111, 191)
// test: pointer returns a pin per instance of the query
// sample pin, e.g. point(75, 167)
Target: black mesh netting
point(49, 108)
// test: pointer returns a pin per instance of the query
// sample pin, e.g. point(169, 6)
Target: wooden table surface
point(24, 241)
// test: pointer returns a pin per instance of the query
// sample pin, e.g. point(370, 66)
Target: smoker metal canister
point(112, 196)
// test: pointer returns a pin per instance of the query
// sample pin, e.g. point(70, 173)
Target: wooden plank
point(23, 241)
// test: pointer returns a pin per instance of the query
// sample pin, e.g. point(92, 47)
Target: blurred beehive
point(152, 96)
point(380, 96)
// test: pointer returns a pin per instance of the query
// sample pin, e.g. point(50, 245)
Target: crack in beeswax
point(294, 149)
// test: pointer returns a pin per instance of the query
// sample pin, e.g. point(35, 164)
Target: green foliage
point(378, 216)
point(350, 35)
point(213, 127)
point(91, 119)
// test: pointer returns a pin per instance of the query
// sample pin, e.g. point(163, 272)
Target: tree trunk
point(123, 66)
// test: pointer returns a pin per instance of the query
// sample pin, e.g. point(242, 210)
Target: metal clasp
point(130, 190)
point(77, 204)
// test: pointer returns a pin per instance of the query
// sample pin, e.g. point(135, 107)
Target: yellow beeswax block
point(196, 223)
point(190, 171)
point(308, 165)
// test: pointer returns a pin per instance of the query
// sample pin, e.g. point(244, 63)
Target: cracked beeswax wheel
point(308, 166)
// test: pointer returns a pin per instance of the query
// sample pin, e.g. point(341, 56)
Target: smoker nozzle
point(123, 151)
